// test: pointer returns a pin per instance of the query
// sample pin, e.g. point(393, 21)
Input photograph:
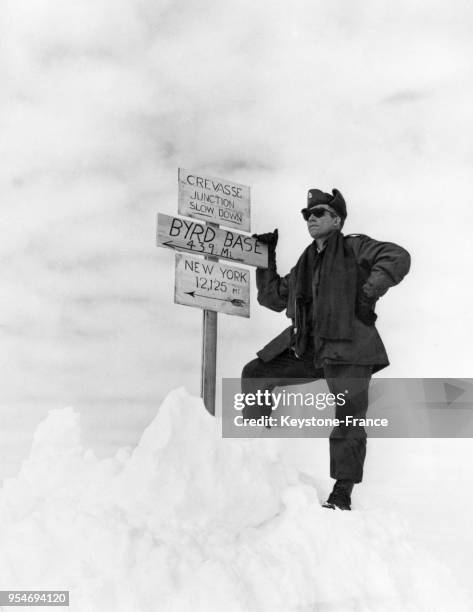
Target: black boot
point(340, 497)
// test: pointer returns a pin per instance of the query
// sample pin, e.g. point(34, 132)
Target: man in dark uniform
point(330, 296)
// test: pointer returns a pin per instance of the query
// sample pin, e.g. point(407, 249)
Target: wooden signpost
point(212, 285)
point(214, 200)
point(193, 237)
point(204, 282)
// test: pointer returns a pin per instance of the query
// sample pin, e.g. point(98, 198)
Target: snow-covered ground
point(190, 521)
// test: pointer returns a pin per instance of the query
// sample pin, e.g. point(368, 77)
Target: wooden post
point(209, 359)
point(208, 375)
point(194, 284)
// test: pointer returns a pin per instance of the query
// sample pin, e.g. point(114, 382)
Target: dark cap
point(315, 197)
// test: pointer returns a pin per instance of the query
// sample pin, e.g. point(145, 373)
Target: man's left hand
point(370, 292)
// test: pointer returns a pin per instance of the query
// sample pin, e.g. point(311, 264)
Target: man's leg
point(348, 441)
point(284, 370)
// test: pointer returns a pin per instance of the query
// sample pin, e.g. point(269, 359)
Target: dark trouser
point(347, 443)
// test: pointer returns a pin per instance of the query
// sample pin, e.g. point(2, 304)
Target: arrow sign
point(235, 302)
point(188, 235)
point(171, 244)
point(212, 285)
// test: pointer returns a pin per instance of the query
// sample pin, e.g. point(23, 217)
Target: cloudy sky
point(102, 101)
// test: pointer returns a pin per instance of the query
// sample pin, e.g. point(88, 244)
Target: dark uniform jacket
point(380, 265)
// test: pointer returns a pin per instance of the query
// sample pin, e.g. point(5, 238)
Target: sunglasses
point(317, 212)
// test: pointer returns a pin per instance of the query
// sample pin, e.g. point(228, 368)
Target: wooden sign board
point(212, 285)
point(214, 200)
point(188, 235)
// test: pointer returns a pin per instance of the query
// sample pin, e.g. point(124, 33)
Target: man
point(329, 295)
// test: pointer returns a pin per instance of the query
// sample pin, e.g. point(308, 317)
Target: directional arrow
point(171, 245)
point(234, 301)
point(208, 241)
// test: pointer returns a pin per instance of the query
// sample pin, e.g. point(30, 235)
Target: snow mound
point(188, 521)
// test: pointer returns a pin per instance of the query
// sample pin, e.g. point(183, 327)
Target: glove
point(369, 291)
point(364, 308)
point(270, 238)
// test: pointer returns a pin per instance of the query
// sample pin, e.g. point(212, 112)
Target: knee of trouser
point(251, 369)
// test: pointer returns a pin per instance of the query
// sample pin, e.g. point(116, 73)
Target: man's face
point(320, 227)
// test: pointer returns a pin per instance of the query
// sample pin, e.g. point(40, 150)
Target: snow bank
point(191, 522)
